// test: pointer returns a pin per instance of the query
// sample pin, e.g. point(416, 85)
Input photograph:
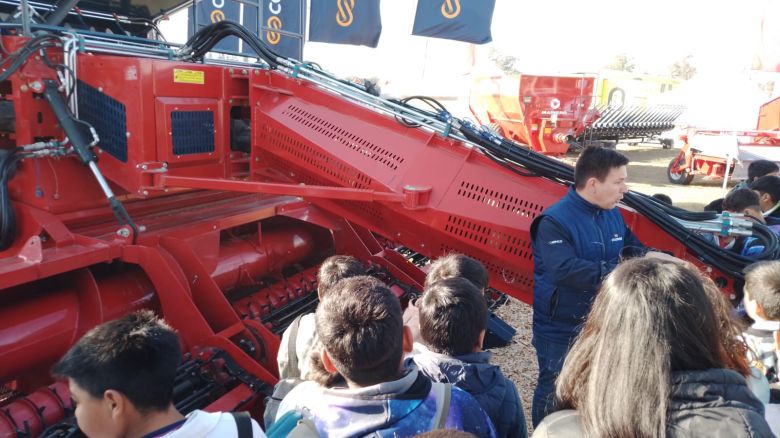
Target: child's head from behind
point(457, 265)
point(762, 285)
point(335, 269)
point(360, 326)
point(120, 370)
point(453, 317)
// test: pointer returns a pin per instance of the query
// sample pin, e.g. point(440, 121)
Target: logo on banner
point(344, 16)
point(450, 9)
point(274, 22)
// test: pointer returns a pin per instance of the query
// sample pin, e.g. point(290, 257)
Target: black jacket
point(714, 403)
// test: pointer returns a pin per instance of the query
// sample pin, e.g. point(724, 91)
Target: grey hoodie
point(475, 374)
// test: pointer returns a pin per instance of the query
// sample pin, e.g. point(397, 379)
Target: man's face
point(606, 194)
point(93, 415)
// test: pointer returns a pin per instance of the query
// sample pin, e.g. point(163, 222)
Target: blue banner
point(206, 12)
point(462, 20)
point(282, 26)
point(356, 22)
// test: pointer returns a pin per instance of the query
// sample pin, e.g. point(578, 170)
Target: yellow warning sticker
point(182, 76)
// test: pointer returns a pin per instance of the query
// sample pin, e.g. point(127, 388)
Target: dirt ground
point(647, 174)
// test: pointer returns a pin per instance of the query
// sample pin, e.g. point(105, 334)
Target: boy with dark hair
point(768, 190)
point(756, 170)
point(448, 266)
point(453, 319)
point(663, 198)
point(457, 265)
point(121, 376)
point(300, 336)
point(576, 243)
point(762, 303)
point(363, 339)
point(742, 201)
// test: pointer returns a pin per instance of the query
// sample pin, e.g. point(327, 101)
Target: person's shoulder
point(202, 424)
point(563, 423)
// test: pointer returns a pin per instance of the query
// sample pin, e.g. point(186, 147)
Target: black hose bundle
point(206, 38)
point(8, 160)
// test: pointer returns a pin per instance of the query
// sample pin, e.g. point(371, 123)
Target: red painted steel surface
point(230, 237)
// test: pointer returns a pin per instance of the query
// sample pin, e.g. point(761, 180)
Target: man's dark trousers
point(550, 356)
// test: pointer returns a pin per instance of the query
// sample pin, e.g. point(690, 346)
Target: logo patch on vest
point(617, 238)
point(555, 242)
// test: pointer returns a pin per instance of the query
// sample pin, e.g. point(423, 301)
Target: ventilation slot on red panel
point(346, 138)
point(487, 237)
point(496, 199)
point(508, 276)
point(348, 176)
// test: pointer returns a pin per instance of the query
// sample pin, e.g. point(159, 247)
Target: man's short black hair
point(453, 313)
point(768, 184)
point(738, 200)
point(760, 168)
point(336, 268)
point(360, 325)
point(136, 355)
point(762, 282)
point(457, 265)
point(596, 162)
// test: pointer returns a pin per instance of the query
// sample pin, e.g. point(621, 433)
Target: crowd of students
point(659, 353)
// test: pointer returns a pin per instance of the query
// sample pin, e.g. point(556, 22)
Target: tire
point(684, 178)
point(667, 143)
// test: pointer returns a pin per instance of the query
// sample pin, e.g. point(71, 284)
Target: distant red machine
point(544, 112)
point(213, 192)
point(726, 153)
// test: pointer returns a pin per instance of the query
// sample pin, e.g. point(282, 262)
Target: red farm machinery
point(139, 174)
point(550, 113)
point(727, 154)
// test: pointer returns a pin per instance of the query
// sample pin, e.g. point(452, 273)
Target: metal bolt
point(146, 193)
point(231, 71)
point(24, 88)
point(230, 100)
point(165, 164)
point(144, 167)
point(243, 71)
point(257, 72)
point(257, 159)
point(36, 86)
point(127, 134)
point(100, 151)
point(123, 232)
point(100, 89)
point(141, 228)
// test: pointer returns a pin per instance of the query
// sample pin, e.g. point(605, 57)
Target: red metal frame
point(324, 176)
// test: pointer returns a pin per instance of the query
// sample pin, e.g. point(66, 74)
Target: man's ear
point(327, 363)
point(116, 402)
point(408, 343)
point(590, 184)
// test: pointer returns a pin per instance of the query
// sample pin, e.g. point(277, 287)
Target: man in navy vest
point(576, 243)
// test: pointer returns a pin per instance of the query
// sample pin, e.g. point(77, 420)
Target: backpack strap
point(444, 390)
point(291, 369)
point(243, 424)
